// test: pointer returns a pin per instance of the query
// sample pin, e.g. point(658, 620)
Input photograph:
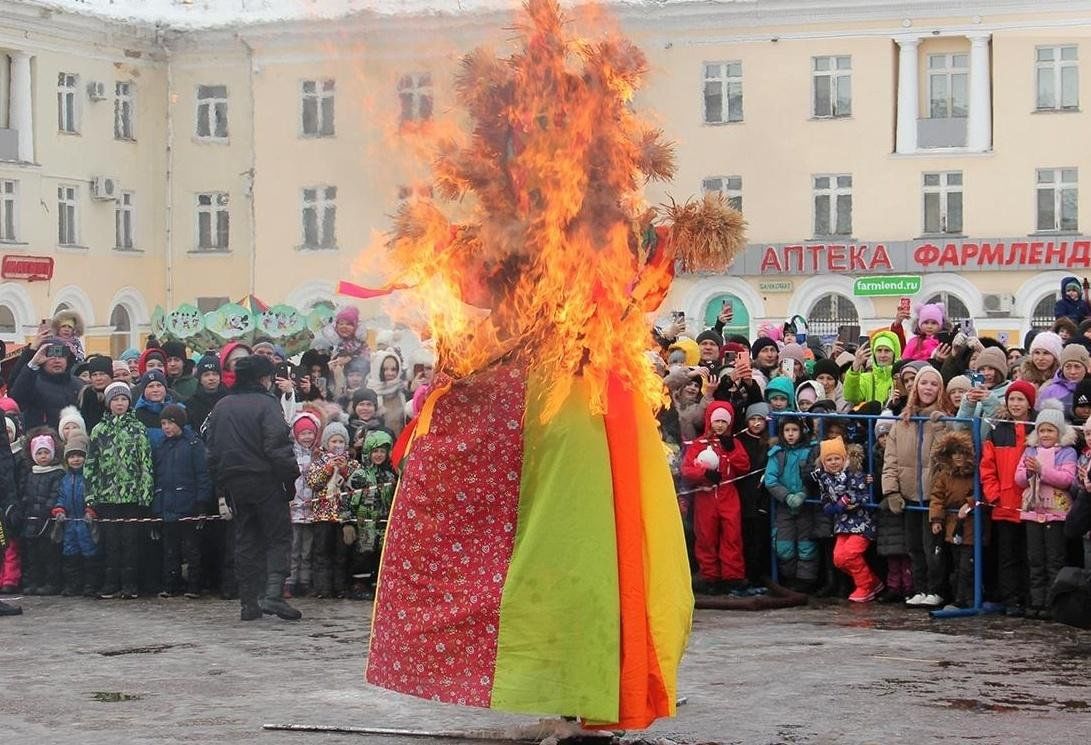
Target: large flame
point(559, 262)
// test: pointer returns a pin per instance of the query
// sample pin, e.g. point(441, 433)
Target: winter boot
point(250, 613)
point(10, 610)
point(71, 570)
point(274, 605)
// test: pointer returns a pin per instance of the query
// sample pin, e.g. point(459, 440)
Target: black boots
point(273, 603)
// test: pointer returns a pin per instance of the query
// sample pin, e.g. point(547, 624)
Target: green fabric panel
point(559, 642)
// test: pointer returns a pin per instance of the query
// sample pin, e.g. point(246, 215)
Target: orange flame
point(547, 272)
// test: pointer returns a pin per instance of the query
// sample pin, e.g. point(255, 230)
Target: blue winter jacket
point(72, 495)
point(182, 484)
point(785, 468)
point(1077, 309)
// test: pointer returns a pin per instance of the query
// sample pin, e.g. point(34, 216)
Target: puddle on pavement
point(113, 697)
point(150, 649)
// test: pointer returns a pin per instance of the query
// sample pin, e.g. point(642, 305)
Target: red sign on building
point(30, 268)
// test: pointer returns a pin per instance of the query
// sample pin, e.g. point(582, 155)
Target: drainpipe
point(169, 210)
point(252, 172)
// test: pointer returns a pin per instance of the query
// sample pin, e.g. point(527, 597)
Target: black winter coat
point(39, 497)
point(41, 396)
point(182, 485)
point(200, 405)
point(92, 407)
point(247, 437)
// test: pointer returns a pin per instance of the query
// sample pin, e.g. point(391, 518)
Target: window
point(723, 92)
point(831, 312)
point(1042, 317)
point(212, 112)
point(740, 319)
point(213, 222)
point(948, 76)
point(123, 221)
point(319, 217)
point(943, 202)
point(9, 209)
point(415, 95)
point(123, 110)
point(67, 119)
point(317, 109)
point(956, 310)
point(67, 215)
point(1057, 199)
point(729, 186)
point(832, 87)
point(833, 205)
point(121, 338)
point(7, 321)
point(1057, 73)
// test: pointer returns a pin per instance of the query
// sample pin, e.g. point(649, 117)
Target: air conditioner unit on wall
point(96, 90)
point(998, 304)
point(103, 188)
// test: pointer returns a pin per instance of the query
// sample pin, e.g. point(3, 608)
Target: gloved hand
point(289, 489)
point(713, 476)
point(225, 511)
point(58, 514)
point(895, 503)
point(348, 534)
point(795, 500)
point(89, 513)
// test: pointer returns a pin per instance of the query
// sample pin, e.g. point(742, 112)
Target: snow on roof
point(190, 14)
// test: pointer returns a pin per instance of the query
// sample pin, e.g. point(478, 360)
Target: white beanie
point(1052, 413)
point(70, 414)
point(1048, 341)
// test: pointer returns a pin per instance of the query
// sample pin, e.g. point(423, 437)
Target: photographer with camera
point(45, 385)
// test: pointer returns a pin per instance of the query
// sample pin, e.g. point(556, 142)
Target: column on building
point(979, 124)
point(20, 112)
point(905, 140)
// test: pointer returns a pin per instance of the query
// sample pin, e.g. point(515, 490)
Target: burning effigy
point(534, 559)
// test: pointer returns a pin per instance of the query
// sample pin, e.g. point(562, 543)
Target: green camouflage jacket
point(119, 462)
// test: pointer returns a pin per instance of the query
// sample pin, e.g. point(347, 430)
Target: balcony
point(9, 144)
point(941, 132)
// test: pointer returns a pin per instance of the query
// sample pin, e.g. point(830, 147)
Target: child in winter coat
point(70, 423)
point(363, 417)
point(752, 492)
point(67, 327)
point(1073, 369)
point(953, 489)
point(11, 571)
point(328, 478)
point(712, 461)
point(79, 549)
point(844, 494)
point(797, 552)
point(890, 538)
point(876, 383)
point(1002, 450)
point(119, 486)
point(183, 489)
point(373, 484)
point(930, 321)
point(42, 570)
point(305, 430)
point(1046, 472)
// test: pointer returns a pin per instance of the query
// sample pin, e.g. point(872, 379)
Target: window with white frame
point(317, 108)
point(213, 222)
point(67, 101)
point(68, 215)
point(948, 85)
point(729, 186)
point(943, 202)
point(320, 217)
point(9, 210)
point(124, 217)
point(1058, 195)
point(415, 95)
point(832, 86)
point(833, 204)
point(7, 322)
point(123, 109)
point(212, 112)
point(723, 92)
point(1058, 77)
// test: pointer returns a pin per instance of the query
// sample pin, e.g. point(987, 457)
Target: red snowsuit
point(717, 519)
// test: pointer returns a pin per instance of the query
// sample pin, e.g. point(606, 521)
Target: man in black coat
point(44, 386)
point(252, 460)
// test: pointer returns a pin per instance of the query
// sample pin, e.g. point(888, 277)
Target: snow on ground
point(190, 14)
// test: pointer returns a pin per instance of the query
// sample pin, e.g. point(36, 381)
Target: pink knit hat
point(1050, 342)
point(349, 313)
point(931, 312)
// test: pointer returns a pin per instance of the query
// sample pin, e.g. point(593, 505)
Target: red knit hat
point(304, 421)
point(1023, 387)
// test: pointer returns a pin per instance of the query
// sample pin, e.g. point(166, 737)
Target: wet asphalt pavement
point(163, 671)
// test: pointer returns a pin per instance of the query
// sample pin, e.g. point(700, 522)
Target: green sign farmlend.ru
point(889, 285)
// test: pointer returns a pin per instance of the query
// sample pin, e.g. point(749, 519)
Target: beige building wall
point(779, 146)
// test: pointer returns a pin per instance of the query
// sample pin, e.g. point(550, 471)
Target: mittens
point(895, 503)
point(89, 513)
point(348, 534)
point(713, 476)
point(225, 511)
point(58, 513)
point(795, 499)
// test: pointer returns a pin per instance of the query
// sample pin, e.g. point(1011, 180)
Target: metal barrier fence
point(868, 421)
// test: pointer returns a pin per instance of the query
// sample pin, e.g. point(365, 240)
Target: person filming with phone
point(45, 385)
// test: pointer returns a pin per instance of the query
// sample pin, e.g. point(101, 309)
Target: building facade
point(878, 149)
